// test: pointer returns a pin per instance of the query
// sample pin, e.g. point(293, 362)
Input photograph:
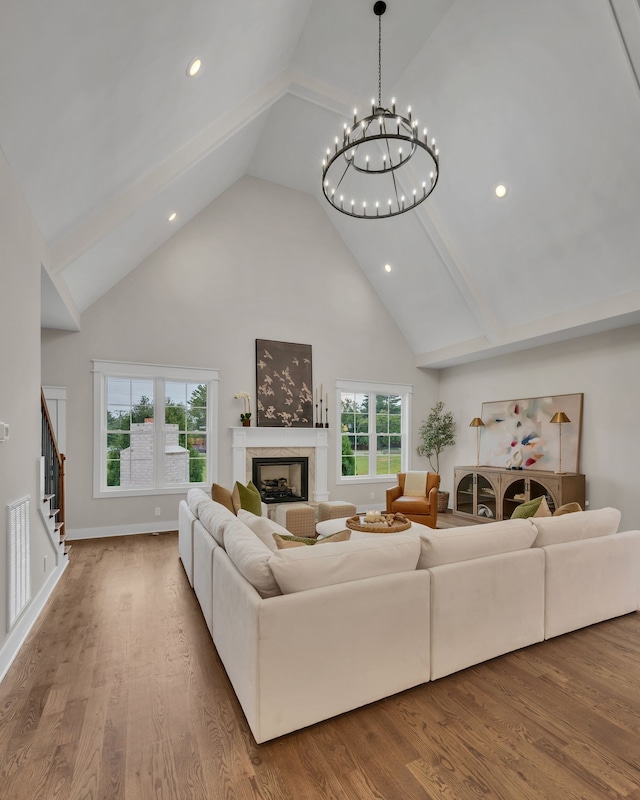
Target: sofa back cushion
point(476, 541)
point(300, 568)
point(212, 515)
point(194, 498)
point(250, 556)
point(580, 525)
point(263, 527)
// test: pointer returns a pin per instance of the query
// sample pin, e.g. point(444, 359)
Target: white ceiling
point(107, 135)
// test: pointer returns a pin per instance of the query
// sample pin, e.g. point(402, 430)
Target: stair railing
point(53, 462)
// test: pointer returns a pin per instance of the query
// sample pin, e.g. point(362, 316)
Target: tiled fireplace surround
point(249, 443)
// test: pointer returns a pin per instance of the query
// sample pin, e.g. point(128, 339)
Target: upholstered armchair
point(423, 509)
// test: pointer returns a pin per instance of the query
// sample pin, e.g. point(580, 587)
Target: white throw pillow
point(297, 569)
point(580, 525)
point(476, 541)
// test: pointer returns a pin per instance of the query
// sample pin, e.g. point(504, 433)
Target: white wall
point(605, 367)
point(22, 250)
point(262, 261)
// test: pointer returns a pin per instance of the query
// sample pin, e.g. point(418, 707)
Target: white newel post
point(316, 438)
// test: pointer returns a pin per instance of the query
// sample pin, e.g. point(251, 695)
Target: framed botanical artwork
point(519, 434)
point(283, 384)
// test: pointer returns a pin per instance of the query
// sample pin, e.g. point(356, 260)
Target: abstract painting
point(518, 434)
point(283, 383)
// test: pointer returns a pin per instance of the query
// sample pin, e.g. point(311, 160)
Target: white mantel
point(316, 438)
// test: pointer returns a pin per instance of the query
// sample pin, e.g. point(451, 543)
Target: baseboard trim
point(23, 626)
point(121, 530)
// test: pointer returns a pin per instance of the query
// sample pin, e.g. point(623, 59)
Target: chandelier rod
point(380, 58)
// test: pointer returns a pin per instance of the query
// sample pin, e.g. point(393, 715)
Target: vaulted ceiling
point(106, 135)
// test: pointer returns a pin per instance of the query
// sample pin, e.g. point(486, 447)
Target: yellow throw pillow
point(220, 494)
point(567, 508)
point(284, 542)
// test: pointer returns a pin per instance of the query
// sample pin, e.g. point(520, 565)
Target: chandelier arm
point(346, 169)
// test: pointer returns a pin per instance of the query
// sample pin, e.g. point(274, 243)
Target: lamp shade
point(476, 422)
point(560, 417)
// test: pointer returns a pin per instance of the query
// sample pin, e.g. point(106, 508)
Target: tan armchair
point(418, 509)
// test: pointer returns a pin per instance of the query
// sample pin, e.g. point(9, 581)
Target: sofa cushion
point(475, 541)
point(223, 496)
point(250, 556)
point(263, 527)
point(194, 498)
point(212, 515)
point(247, 497)
point(300, 568)
point(581, 525)
point(283, 542)
point(528, 509)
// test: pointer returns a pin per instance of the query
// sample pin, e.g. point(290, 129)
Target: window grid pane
point(129, 434)
point(361, 414)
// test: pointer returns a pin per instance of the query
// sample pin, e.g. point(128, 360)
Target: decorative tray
point(392, 523)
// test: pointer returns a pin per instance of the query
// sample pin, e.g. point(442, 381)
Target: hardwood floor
point(119, 693)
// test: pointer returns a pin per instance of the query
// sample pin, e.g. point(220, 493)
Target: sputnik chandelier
point(367, 174)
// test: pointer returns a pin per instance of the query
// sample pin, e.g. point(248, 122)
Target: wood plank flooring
point(119, 694)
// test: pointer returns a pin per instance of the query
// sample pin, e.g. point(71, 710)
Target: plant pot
point(443, 501)
point(246, 423)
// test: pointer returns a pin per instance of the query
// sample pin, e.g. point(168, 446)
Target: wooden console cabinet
point(487, 494)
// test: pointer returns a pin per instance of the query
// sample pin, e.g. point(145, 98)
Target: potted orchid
point(245, 417)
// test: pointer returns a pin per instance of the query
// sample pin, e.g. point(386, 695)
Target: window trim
point(123, 369)
point(403, 390)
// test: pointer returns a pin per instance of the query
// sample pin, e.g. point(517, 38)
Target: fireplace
point(287, 443)
point(281, 480)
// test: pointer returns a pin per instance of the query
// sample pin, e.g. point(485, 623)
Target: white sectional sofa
point(311, 632)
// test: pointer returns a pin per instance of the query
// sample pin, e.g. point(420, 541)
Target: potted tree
point(437, 432)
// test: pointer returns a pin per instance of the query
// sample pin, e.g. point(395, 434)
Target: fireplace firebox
point(281, 480)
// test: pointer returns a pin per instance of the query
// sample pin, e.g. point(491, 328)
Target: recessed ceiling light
point(193, 67)
point(501, 190)
point(387, 267)
point(172, 216)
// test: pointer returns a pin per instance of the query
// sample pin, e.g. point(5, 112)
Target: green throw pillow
point(283, 542)
point(526, 510)
point(247, 497)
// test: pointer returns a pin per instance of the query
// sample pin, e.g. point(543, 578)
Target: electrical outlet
point(372, 496)
point(157, 511)
point(586, 503)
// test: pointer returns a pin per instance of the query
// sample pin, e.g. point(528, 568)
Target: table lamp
point(477, 423)
point(559, 418)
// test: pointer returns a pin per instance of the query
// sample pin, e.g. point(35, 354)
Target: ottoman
point(298, 518)
point(334, 509)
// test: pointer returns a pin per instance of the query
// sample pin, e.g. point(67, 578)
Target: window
point(154, 428)
point(374, 421)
